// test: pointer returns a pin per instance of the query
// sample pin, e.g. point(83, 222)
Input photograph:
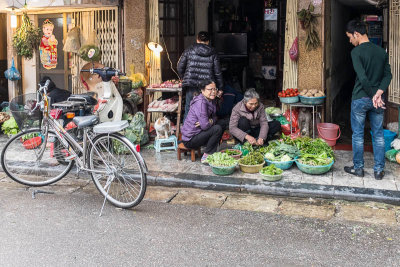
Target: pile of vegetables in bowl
point(222, 163)
point(281, 154)
point(252, 163)
point(271, 173)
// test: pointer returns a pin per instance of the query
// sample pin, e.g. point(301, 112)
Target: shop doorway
point(249, 43)
point(340, 72)
point(3, 58)
point(249, 37)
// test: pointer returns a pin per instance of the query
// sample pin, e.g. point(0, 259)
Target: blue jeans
point(360, 108)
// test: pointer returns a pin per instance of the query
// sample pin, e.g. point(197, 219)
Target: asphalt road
point(64, 229)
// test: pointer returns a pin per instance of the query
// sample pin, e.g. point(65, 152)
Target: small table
point(314, 110)
point(149, 97)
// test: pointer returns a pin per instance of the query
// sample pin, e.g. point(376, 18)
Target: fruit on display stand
point(311, 93)
point(289, 92)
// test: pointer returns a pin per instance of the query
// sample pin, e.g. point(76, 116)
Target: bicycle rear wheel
point(30, 158)
point(117, 171)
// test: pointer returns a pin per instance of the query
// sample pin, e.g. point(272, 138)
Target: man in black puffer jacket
point(199, 62)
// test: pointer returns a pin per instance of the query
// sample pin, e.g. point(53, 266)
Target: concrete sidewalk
point(167, 170)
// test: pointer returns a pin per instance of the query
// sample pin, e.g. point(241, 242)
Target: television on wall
point(231, 44)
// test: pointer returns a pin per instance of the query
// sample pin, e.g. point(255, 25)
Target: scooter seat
point(85, 121)
point(110, 127)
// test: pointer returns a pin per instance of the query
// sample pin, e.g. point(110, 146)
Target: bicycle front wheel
point(116, 170)
point(30, 158)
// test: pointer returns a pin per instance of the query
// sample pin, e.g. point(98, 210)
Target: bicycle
point(33, 156)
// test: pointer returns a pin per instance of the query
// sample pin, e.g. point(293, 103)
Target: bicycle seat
point(110, 127)
point(85, 121)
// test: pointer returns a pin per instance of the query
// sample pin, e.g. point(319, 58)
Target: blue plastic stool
point(170, 140)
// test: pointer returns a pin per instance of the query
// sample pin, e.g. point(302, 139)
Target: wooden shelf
point(149, 97)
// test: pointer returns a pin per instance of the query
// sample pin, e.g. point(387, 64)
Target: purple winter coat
point(201, 110)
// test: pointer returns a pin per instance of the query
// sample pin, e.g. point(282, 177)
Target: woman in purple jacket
point(200, 128)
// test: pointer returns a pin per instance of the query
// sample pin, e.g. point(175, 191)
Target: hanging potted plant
point(308, 22)
point(27, 38)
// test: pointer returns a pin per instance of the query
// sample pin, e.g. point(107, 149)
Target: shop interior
point(342, 75)
point(247, 34)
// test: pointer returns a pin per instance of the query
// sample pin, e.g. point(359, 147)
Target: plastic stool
point(170, 140)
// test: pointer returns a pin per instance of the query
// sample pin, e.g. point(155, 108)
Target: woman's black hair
point(203, 36)
point(356, 26)
point(203, 83)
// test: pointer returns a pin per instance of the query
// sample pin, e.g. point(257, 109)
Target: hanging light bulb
point(155, 47)
point(13, 16)
point(13, 20)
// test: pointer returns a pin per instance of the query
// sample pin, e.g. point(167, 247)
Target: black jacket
point(200, 62)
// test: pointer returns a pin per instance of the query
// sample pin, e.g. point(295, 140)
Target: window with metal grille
point(105, 23)
point(394, 51)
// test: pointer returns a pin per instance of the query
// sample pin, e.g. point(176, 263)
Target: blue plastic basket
point(314, 169)
point(389, 137)
point(283, 165)
point(312, 100)
point(289, 100)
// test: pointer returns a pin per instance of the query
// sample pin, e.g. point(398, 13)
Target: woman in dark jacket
point(248, 120)
point(200, 128)
point(199, 62)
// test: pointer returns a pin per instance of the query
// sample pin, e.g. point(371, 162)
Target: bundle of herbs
point(27, 38)
point(220, 159)
point(253, 158)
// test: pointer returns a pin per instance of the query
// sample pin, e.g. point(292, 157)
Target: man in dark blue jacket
point(199, 62)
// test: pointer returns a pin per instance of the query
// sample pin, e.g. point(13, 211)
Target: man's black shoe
point(356, 172)
point(379, 175)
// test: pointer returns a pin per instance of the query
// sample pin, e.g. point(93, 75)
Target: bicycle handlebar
point(105, 73)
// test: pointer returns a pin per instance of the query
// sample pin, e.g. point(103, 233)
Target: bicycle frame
point(66, 138)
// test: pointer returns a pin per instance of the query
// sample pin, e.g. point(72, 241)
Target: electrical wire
point(166, 50)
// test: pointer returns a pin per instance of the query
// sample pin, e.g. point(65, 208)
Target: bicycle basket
point(21, 108)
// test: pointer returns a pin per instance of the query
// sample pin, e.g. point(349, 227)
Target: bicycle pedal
point(72, 157)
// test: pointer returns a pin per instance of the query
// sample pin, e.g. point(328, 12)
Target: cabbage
point(269, 156)
point(285, 158)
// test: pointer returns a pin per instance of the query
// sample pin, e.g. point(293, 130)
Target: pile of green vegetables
point(10, 127)
point(315, 159)
point(307, 145)
point(271, 170)
point(277, 151)
point(220, 159)
point(253, 158)
point(273, 111)
point(232, 152)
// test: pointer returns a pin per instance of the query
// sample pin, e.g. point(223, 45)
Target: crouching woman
point(248, 121)
point(200, 128)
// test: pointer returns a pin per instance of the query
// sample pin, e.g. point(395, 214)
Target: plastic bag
point(286, 127)
point(12, 73)
point(136, 132)
point(72, 43)
point(294, 50)
point(391, 154)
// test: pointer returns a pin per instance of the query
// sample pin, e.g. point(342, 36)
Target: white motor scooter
point(110, 105)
